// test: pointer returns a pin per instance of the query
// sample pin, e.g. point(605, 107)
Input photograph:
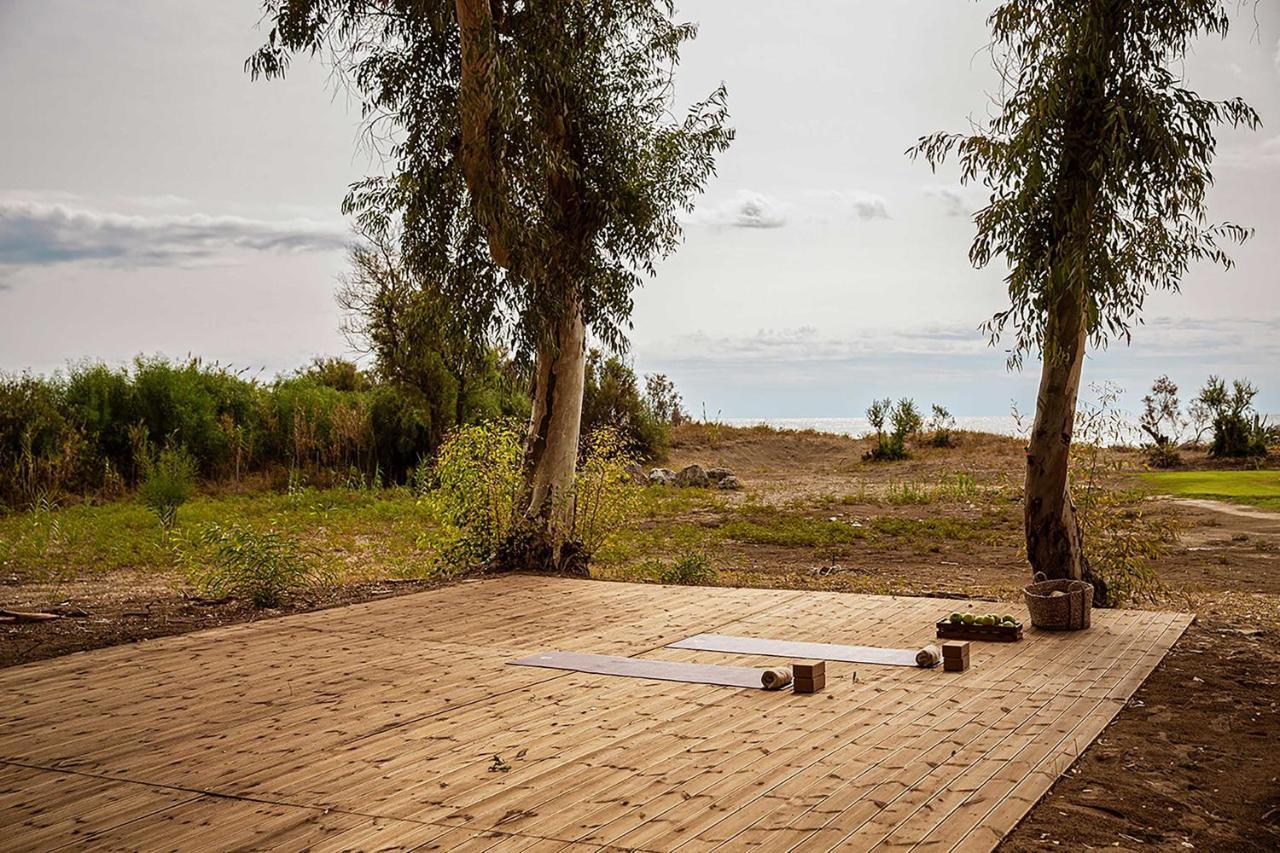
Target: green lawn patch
point(355, 533)
point(1255, 488)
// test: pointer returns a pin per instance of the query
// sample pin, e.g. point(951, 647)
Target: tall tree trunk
point(551, 446)
point(1055, 544)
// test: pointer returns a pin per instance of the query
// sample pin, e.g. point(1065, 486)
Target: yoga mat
point(660, 670)
point(791, 649)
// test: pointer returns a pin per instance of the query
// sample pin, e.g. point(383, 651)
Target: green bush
point(233, 561)
point(167, 483)
point(402, 430)
point(1238, 431)
point(476, 485)
point(604, 497)
point(692, 569)
point(612, 398)
point(40, 448)
point(941, 428)
point(905, 421)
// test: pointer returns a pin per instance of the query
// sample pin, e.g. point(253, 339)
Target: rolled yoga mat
point(930, 655)
point(776, 678)
point(796, 650)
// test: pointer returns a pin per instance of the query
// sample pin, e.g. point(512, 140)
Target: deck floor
point(375, 727)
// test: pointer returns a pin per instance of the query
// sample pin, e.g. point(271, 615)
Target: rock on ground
point(662, 477)
point(692, 476)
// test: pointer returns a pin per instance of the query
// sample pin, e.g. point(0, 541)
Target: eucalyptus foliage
point(1097, 163)
point(588, 166)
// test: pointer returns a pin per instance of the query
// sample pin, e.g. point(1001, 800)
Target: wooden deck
point(375, 727)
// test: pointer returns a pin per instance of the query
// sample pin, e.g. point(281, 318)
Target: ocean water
point(1127, 428)
point(999, 424)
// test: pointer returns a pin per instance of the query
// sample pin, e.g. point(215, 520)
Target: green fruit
point(1009, 619)
point(988, 619)
point(955, 618)
point(967, 618)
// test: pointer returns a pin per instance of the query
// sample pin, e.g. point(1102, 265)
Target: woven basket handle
point(1039, 576)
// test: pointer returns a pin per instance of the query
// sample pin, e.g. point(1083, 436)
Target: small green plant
point(691, 569)
point(941, 428)
point(908, 494)
point(905, 421)
point(233, 561)
point(167, 482)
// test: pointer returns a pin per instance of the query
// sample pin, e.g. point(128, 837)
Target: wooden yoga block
point(809, 685)
point(955, 656)
point(809, 669)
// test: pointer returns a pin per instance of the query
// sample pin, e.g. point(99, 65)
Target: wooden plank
point(42, 810)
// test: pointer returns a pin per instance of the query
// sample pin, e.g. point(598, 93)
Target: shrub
point(167, 483)
point(1121, 541)
point(1163, 456)
point(663, 400)
point(234, 561)
point(39, 446)
point(603, 495)
point(477, 484)
point(337, 373)
point(692, 569)
point(401, 427)
point(905, 420)
point(611, 398)
point(941, 428)
point(1237, 430)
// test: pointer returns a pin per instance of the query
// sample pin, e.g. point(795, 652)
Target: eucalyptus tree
point(1097, 164)
point(536, 171)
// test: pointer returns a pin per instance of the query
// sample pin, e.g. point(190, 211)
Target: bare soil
point(1191, 762)
point(112, 610)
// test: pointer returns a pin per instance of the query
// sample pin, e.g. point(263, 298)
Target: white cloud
point(956, 200)
point(41, 233)
point(1159, 338)
point(868, 206)
point(858, 203)
point(806, 344)
point(747, 209)
point(750, 209)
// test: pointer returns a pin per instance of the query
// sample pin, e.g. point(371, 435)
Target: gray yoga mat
point(660, 670)
point(792, 649)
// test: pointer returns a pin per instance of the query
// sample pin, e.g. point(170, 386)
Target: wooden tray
point(996, 633)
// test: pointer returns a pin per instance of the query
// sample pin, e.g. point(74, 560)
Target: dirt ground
point(1189, 763)
point(115, 609)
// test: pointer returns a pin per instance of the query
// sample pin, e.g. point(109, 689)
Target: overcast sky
point(153, 199)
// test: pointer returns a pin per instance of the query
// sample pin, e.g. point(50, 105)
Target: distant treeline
point(92, 428)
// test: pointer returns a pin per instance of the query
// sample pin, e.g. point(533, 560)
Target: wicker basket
point(1068, 611)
